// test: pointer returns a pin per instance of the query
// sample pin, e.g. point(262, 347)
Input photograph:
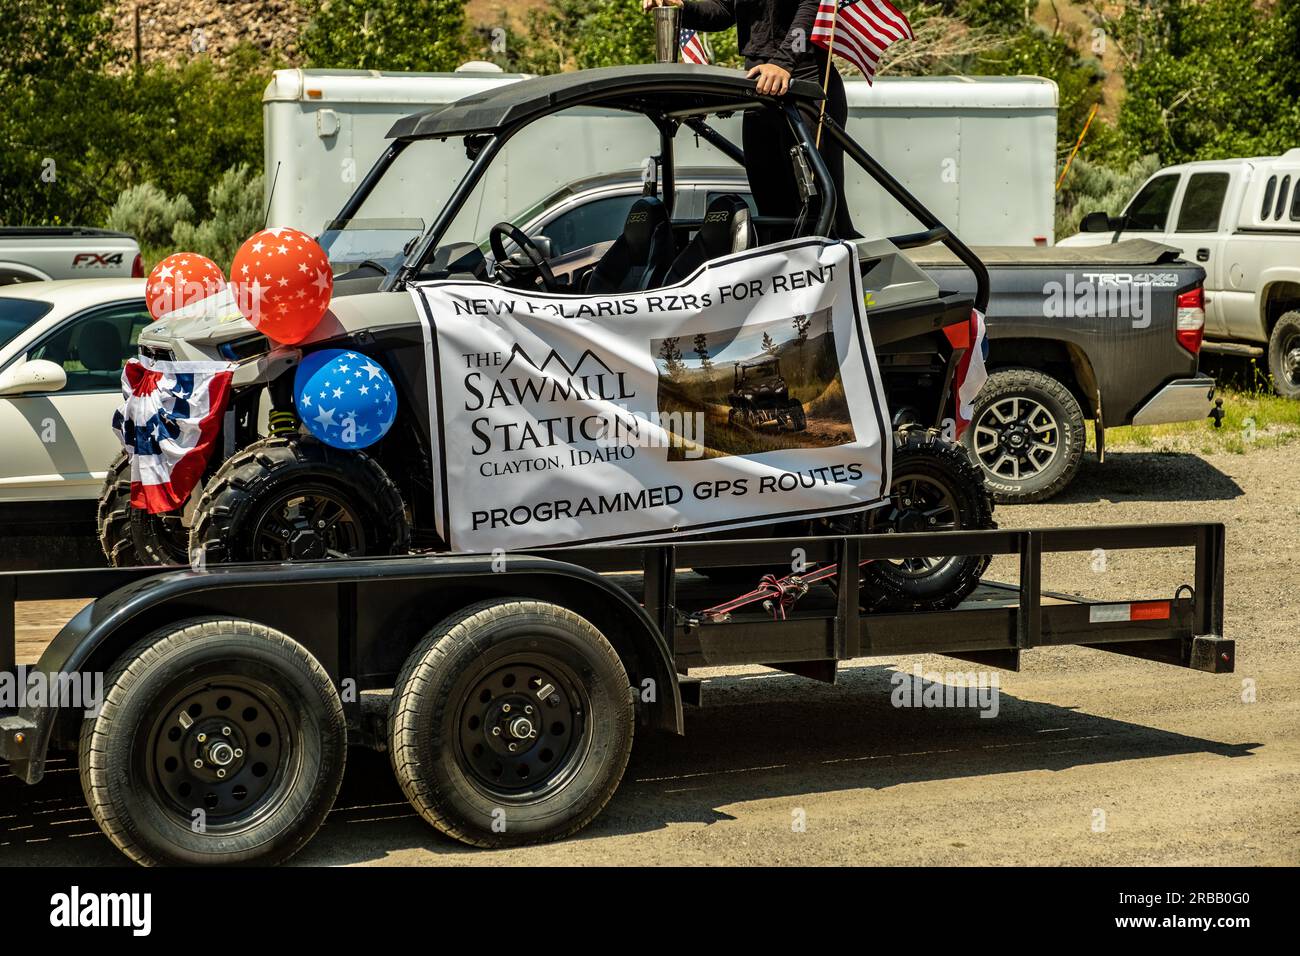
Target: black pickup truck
point(1107, 333)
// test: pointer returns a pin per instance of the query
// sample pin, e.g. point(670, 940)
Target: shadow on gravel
point(757, 737)
point(1147, 476)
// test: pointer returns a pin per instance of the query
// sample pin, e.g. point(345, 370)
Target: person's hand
point(648, 5)
point(771, 78)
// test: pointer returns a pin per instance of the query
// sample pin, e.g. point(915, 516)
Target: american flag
point(861, 30)
point(693, 48)
point(971, 370)
point(168, 423)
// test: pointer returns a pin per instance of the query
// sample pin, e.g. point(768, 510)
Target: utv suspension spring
point(282, 422)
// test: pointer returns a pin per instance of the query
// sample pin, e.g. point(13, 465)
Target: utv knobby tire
point(134, 802)
point(468, 668)
point(113, 515)
point(1067, 435)
point(250, 481)
point(886, 585)
point(1283, 367)
point(129, 536)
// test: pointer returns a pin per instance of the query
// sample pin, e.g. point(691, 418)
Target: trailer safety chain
point(778, 595)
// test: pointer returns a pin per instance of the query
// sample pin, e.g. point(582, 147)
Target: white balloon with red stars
point(282, 282)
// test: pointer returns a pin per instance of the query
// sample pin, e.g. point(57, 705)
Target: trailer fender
point(335, 608)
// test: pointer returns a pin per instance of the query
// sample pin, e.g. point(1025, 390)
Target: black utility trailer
point(232, 692)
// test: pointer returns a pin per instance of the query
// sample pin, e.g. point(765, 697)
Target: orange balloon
point(282, 283)
point(181, 279)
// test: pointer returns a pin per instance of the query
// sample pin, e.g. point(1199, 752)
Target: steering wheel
point(505, 230)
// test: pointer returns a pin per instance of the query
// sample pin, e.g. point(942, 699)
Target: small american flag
point(861, 30)
point(693, 48)
point(169, 423)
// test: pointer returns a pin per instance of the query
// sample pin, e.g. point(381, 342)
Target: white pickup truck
point(39, 253)
point(1240, 219)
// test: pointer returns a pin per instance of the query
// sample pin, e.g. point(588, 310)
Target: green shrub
point(1093, 187)
point(145, 212)
point(237, 212)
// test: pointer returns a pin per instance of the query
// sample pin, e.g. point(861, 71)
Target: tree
point(581, 34)
point(421, 35)
point(672, 357)
point(1208, 80)
point(769, 345)
point(702, 350)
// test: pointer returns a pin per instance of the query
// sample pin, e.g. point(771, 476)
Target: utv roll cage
point(671, 96)
point(743, 367)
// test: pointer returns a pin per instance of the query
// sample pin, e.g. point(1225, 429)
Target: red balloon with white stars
point(181, 279)
point(282, 283)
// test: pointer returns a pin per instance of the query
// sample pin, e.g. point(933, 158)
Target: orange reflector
point(314, 94)
point(1149, 611)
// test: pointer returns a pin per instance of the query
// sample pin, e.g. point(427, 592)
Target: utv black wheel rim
point(917, 503)
point(522, 729)
point(308, 524)
point(173, 537)
point(228, 748)
point(1016, 438)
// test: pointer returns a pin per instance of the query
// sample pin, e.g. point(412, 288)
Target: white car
point(62, 348)
point(1240, 220)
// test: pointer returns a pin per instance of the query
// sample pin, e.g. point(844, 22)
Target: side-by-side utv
point(284, 496)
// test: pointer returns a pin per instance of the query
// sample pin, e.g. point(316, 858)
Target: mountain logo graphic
point(554, 357)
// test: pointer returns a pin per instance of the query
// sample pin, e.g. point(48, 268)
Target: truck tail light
point(1191, 319)
point(137, 267)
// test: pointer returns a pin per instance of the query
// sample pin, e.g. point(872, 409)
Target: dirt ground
point(1093, 758)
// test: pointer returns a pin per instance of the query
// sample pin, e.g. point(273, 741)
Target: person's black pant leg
point(766, 140)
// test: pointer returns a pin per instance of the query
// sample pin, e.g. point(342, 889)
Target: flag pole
point(826, 81)
point(1077, 144)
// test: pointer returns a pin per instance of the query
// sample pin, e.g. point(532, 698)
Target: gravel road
point(1093, 758)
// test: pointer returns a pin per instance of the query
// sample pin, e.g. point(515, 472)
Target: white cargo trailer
point(979, 151)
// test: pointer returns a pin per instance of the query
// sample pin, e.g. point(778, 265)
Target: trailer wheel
point(286, 499)
point(1284, 355)
point(1026, 435)
point(934, 487)
point(129, 536)
point(511, 724)
point(218, 742)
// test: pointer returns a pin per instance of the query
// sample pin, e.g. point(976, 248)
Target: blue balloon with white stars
point(346, 399)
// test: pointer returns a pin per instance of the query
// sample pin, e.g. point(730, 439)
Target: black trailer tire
point(1284, 355)
point(268, 502)
point(477, 671)
point(1027, 435)
point(131, 537)
point(934, 487)
point(284, 730)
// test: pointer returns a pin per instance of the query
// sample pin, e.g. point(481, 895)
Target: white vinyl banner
point(746, 394)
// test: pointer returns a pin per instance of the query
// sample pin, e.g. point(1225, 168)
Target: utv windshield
point(399, 208)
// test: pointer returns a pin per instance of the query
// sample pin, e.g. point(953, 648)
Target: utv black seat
point(727, 228)
point(639, 257)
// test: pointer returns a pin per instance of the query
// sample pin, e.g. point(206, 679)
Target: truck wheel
point(218, 742)
point(1284, 355)
point(934, 488)
point(129, 536)
point(511, 724)
point(285, 499)
point(1026, 435)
